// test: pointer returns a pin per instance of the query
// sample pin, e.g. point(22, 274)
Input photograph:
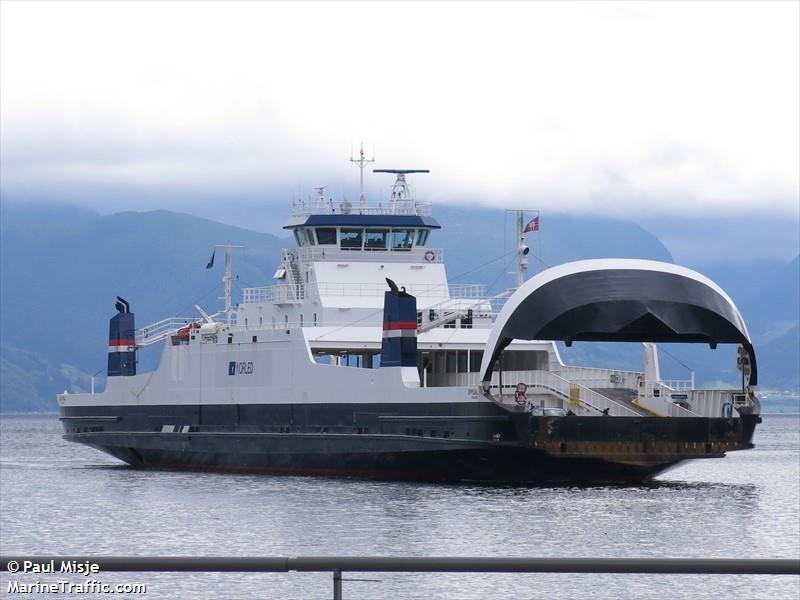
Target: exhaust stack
point(399, 347)
point(122, 341)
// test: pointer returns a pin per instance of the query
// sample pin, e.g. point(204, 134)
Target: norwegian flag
point(533, 225)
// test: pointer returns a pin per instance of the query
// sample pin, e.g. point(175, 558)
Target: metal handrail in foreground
point(418, 564)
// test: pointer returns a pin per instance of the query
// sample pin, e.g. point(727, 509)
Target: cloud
point(655, 108)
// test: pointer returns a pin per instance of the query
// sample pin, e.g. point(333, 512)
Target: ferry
point(362, 360)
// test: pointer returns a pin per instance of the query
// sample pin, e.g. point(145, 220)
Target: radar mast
point(362, 162)
point(403, 201)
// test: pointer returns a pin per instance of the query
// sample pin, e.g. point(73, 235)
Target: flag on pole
point(533, 225)
point(211, 262)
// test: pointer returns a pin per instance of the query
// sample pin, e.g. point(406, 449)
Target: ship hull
point(448, 443)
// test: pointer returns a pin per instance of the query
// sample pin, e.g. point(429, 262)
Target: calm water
point(63, 498)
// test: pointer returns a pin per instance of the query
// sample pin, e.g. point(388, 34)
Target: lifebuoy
point(430, 256)
point(519, 394)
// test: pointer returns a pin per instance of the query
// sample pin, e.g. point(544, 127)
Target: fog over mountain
point(62, 266)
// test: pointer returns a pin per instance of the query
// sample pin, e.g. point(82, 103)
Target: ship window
point(310, 236)
point(299, 236)
point(315, 319)
point(422, 236)
point(326, 235)
point(402, 239)
point(450, 358)
point(351, 238)
point(375, 239)
point(475, 358)
point(301, 320)
point(462, 361)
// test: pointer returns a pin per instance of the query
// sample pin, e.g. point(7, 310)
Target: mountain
point(61, 268)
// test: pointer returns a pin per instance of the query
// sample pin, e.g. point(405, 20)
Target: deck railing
point(580, 397)
point(329, 207)
point(418, 254)
point(160, 330)
point(289, 293)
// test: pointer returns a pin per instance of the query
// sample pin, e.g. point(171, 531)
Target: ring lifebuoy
point(430, 256)
point(519, 393)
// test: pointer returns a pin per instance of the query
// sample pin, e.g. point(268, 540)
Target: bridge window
point(351, 239)
point(299, 237)
point(422, 236)
point(376, 239)
point(326, 235)
point(402, 239)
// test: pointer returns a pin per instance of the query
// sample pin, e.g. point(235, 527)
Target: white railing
point(717, 403)
point(275, 294)
point(574, 394)
point(467, 290)
point(419, 254)
point(677, 384)
point(601, 378)
point(282, 293)
point(570, 393)
point(155, 332)
point(329, 207)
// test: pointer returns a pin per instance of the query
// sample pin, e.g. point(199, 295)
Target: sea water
point(66, 499)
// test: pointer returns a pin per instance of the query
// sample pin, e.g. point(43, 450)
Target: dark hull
point(469, 442)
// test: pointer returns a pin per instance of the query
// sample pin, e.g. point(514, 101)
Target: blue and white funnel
point(399, 347)
point(122, 341)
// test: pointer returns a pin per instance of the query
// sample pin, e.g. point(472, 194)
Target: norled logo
point(240, 368)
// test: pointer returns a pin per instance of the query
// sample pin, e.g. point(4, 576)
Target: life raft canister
point(430, 256)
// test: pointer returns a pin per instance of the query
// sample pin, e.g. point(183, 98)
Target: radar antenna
point(401, 192)
point(362, 162)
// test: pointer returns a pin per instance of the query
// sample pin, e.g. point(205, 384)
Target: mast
point(362, 162)
point(522, 248)
point(228, 278)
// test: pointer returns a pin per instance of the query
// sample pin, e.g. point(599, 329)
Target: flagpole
point(522, 258)
point(522, 248)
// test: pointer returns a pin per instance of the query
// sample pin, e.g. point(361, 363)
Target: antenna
point(400, 189)
point(320, 189)
point(362, 162)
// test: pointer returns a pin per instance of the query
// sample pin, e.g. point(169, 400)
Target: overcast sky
point(625, 109)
